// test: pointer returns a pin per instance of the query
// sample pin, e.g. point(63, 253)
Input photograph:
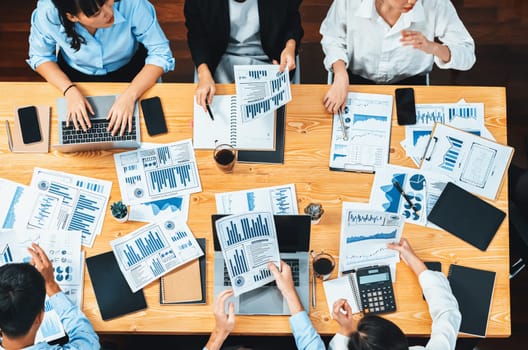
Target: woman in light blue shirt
point(98, 40)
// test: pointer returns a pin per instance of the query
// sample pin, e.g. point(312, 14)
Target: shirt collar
point(367, 9)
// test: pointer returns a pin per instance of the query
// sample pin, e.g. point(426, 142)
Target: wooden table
point(306, 164)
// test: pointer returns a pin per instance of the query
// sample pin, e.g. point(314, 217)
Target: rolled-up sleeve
point(148, 32)
point(451, 32)
point(42, 46)
point(334, 32)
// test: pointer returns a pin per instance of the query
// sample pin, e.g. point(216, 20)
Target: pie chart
point(417, 182)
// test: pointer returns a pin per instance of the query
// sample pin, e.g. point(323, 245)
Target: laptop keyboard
point(294, 264)
point(97, 133)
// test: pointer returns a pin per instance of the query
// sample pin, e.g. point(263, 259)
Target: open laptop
point(97, 137)
point(293, 234)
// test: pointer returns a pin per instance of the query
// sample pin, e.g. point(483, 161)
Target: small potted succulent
point(315, 210)
point(119, 211)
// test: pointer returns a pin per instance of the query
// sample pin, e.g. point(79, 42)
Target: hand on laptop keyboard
point(120, 115)
point(285, 284)
point(78, 109)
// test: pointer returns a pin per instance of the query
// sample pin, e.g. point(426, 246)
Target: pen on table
point(209, 111)
point(400, 189)
point(345, 137)
point(313, 289)
point(9, 139)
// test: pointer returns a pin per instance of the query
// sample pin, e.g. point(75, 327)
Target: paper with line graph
point(249, 243)
point(153, 250)
point(280, 200)
point(473, 163)
point(363, 144)
point(83, 201)
point(365, 235)
point(260, 89)
point(165, 171)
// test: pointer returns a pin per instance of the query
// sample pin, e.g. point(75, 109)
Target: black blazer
point(208, 28)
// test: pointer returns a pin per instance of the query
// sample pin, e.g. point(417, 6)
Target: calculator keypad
point(378, 300)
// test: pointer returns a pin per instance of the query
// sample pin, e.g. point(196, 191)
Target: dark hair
point(377, 333)
point(22, 295)
point(74, 7)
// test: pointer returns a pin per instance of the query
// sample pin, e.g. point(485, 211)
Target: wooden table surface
point(308, 129)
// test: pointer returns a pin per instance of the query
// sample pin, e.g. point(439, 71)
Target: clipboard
point(14, 136)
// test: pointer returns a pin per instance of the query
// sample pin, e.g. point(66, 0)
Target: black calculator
point(375, 289)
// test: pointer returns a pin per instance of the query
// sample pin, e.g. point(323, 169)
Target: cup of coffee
point(323, 264)
point(225, 157)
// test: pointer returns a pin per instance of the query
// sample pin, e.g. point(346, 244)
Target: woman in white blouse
point(391, 42)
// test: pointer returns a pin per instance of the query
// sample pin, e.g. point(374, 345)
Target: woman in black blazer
point(211, 33)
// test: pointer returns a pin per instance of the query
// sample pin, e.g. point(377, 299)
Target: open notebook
point(227, 127)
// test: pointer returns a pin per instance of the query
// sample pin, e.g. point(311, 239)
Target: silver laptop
point(97, 137)
point(293, 233)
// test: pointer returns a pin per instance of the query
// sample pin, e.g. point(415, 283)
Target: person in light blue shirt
point(23, 289)
point(98, 40)
point(306, 337)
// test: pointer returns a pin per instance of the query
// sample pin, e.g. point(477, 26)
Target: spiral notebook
point(227, 127)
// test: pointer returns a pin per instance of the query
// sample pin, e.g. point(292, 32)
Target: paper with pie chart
point(421, 187)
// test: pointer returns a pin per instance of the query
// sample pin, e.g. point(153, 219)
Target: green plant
point(119, 210)
point(315, 210)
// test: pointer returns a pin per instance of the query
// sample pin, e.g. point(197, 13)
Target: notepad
point(227, 127)
point(466, 216)
point(185, 285)
point(473, 289)
point(112, 292)
point(16, 144)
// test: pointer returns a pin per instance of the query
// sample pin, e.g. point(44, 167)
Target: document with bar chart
point(147, 175)
point(365, 235)
point(473, 163)
point(280, 200)
point(153, 250)
point(84, 201)
point(249, 243)
point(260, 89)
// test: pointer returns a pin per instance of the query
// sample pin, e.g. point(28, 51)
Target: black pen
point(209, 111)
point(400, 189)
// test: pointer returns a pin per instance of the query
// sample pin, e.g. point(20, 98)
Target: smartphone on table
point(405, 106)
point(29, 124)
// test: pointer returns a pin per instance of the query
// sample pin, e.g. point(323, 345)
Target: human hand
point(408, 256)
point(284, 281)
point(335, 99)
point(206, 88)
point(120, 115)
point(417, 40)
point(287, 57)
point(78, 108)
point(224, 323)
point(342, 313)
point(40, 260)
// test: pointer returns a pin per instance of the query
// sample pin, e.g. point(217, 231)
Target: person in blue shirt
point(103, 41)
point(23, 289)
point(306, 337)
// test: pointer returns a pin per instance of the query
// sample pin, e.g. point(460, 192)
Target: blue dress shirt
point(109, 48)
point(80, 332)
point(305, 335)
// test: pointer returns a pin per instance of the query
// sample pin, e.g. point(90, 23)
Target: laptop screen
point(293, 232)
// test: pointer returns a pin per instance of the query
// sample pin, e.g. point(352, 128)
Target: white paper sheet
point(364, 146)
point(154, 250)
point(365, 235)
point(84, 201)
point(422, 187)
point(249, 243)
point(280, 200)
point(260, 89)
point(146, 175)
point(473, 163)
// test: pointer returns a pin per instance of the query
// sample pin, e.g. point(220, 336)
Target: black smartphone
point(433, 265)
point(29, 124)
point(405, 106)
point(154, 117)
